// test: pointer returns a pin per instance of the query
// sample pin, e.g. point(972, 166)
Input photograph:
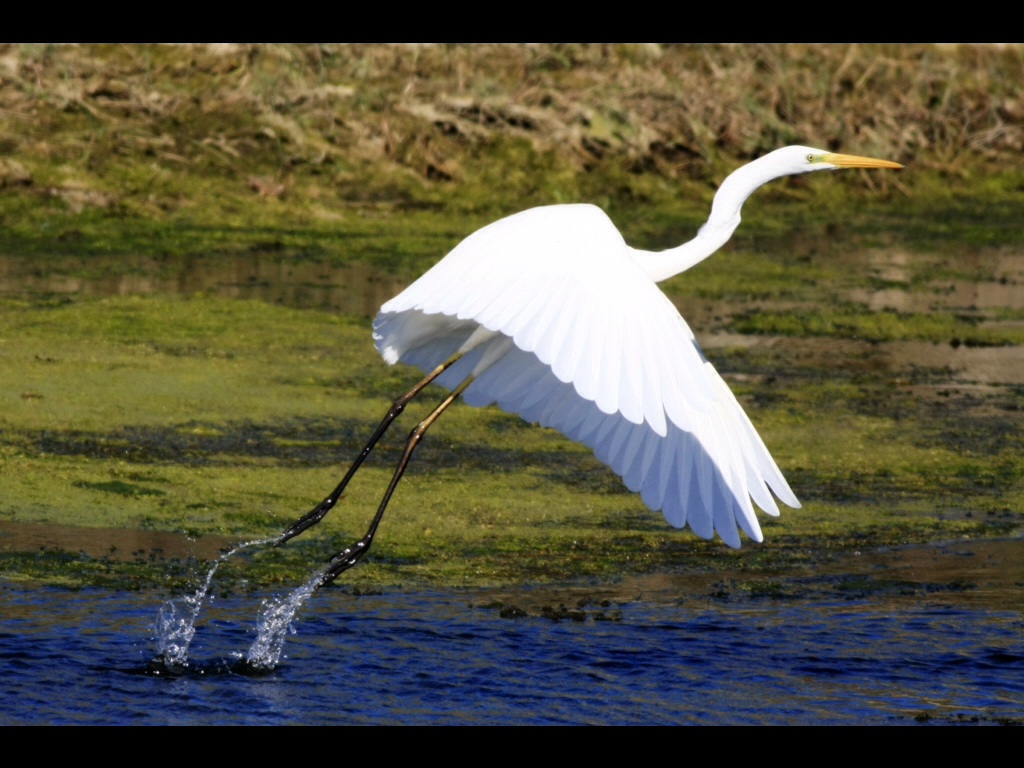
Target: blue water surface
point(84, 657)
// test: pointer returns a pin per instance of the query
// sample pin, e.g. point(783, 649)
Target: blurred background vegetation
point(200, 148)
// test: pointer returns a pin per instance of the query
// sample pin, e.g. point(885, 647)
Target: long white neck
point(724, 218)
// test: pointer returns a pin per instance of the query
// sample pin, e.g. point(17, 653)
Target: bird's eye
point(810, 158)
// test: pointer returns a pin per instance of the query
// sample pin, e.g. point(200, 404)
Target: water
point(176, 621)
point(177, 618)
point(84, 657)
point(275, 624)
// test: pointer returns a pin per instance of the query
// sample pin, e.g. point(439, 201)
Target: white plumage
point(562, 323)
point(596, 351)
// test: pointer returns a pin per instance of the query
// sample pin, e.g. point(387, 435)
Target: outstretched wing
point(599, 354)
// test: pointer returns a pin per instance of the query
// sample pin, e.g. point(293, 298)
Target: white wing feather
point(599, 354)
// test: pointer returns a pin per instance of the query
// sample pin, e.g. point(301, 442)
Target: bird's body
point(561, 322)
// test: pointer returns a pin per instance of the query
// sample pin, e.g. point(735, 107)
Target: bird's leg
point(318, 512)
point(348, 557)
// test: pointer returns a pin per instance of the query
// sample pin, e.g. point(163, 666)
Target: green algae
point(885, 325)
point(230, 418)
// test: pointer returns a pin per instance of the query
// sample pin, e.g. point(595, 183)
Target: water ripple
point(83, 658)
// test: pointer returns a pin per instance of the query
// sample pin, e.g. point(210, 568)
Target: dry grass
point(96, 125)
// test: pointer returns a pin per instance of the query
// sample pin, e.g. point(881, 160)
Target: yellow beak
point(853, 161)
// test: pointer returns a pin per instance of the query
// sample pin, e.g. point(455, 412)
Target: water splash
point(176, 623)
point(275, 624)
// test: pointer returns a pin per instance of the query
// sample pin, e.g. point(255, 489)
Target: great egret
point(549, 314)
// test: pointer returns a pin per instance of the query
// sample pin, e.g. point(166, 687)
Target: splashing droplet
point(176, 622)
point(275, 624)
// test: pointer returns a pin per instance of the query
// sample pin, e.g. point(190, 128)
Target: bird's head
point(798, 159)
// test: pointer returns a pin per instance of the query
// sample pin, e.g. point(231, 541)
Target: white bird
point(551, 315)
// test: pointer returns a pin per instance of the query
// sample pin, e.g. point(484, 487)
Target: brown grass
point(432, 110)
